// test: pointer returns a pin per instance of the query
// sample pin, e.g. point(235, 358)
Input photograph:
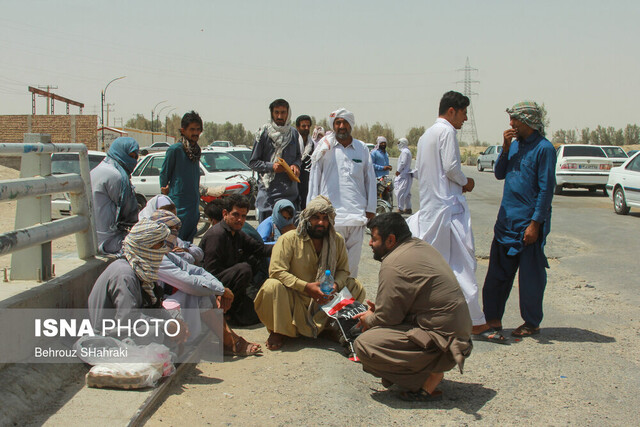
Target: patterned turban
point(529, 113)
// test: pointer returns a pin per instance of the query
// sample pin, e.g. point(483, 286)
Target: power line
point(468, 130)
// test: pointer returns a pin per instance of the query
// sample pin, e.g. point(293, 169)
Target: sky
point(387, 61)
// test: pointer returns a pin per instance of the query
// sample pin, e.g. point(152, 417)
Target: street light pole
point(153, 110)
point(102, 98)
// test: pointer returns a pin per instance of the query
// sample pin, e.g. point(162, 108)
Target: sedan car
point(154, 148)
point(241, 153)
point(616, 154)
point(624, 185)
point(489, 158)
point(581, 166)
point(68, 163)
point(221, 144)
point(215, 168)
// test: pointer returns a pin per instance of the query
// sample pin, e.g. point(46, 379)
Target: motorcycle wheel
point(203, 223)
point(382, 206)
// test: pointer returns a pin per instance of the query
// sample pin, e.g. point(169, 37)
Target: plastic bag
point(123, 364)
point(342, 308)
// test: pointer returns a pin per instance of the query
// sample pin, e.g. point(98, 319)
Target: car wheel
point(142, 201)
point(493, 166)
point(619, 202)
point(480, 168)
point(558, 190)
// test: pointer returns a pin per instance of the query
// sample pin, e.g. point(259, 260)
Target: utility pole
point(48, 88)
point(108, 109)
point(468, 131)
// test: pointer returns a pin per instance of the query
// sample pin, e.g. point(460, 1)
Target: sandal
point(525, 330)
point(491, 335)
point(242, 348)
point(420, 396)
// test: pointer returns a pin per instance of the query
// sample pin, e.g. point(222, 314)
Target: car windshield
point(242, 155)
point(222, 162)
point(220, 144)
point(68, 162)
point(582, 151)
point(614, 152)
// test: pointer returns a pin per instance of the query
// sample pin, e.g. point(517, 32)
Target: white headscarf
point(154, 203)
point(342, 113)
point(403, 143)
point(379, 140)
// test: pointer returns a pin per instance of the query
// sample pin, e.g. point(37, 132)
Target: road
point(582, 369)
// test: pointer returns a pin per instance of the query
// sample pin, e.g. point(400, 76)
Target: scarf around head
point(529, 113)
point(191, 149)
point(318, 133)
point(144, 260)
point(327, 259)
point(342, 113)
point(118, 156)
point(154, 203)
point(403, 143)
point(379, 140)
point(279, 222)
point(279, 137)
point(170, 220)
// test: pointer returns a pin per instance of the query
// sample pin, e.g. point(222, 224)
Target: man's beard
point(377, 255)
point(342, 135)
point(317, 234)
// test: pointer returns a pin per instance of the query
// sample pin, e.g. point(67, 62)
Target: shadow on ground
point(551, 335)
point(466, 397)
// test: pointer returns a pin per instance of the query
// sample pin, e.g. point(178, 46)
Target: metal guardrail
point(30, 242)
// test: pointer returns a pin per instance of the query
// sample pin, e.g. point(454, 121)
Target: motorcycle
point(385, 194)
point(247, 187)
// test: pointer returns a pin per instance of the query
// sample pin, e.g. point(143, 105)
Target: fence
point(30, 242)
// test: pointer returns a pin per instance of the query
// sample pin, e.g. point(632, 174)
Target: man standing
point(303, 125)
point(180, 175)
point(227, 255)
point(527, 166)
point(404, 178)
point(444, 220)
point(275, 140)
point(380, 158)
point(289, 301)
point(419, 326)
point(343, 172)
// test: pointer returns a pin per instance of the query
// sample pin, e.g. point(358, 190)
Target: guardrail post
point(82, 204)
point(33, 263)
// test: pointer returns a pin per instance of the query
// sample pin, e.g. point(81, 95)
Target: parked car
point(615, 153)
point(68, 163)
point(631, 152)
point(242, 153)
point(370, 146)
point(215, 168)
point(221, 144)
point(624, 185)
point(581, 166)
point(155, 147)
point(489, 158)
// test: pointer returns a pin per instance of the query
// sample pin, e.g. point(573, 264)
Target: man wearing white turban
point(404, 178)
point(342, 170)
point(380, 158)
point(444, 220)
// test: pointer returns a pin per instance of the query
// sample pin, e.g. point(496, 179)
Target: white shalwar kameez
point(345, 175)
point(402, 182)
point(444, 219)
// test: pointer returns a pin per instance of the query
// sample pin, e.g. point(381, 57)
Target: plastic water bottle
point(327, 285)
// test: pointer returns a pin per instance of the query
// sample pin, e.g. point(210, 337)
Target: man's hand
point(313, 290)
point(183, 333)
point(388, 168)
point(468, 188)
point(397, 173)
point(360, 316)
point(370, 215)
point(508, 135)
point(278, 168)
point(179, 249)
point(296, 170)
point(226, 299)
point(531, 233)
point(164, 190)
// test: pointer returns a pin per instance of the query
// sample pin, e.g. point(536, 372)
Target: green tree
point(585, 137)
point(632, 135)
point(138, 122)
point(559, 137)
point(414, 135)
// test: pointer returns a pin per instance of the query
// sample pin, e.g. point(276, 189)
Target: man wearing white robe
point(444, 220)
point(341, 170)
point(404, 178)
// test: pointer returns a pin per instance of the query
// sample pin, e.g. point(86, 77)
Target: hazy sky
point(386, 61)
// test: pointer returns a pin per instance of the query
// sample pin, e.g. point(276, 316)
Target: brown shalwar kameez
point(421, 324)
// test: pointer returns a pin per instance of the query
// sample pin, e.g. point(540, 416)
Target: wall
point(62, 128)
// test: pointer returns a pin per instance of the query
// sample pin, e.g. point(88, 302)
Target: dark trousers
point(303, 189)
point(532, 279)
point(238, 279)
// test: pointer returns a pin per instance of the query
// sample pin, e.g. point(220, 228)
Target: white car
point(489, 158)
point(242, 153)
point(155, 147)
point(581, 166)
point(215, 168)
point(624, 185)
point(615, 153)
point(68, 163)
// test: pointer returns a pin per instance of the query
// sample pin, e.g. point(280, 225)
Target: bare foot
point(495, 324)
point(478, 329)
point(241, 347)
point(275, 341)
